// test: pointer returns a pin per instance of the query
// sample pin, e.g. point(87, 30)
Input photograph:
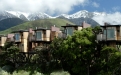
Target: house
point(4, 39)
point(42, 36)
point(39, 37)
point(55, 31)
point(111, 35)
point(69, 29)
point(21, 39)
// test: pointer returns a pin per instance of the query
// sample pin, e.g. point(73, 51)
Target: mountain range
point(76, 18)
point(39, 15)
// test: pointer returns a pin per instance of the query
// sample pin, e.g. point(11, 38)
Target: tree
point(110, 60)
point(9, 53)
point(75, 51)
point(81, 54)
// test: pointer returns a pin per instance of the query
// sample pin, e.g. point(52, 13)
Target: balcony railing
point(101, 37)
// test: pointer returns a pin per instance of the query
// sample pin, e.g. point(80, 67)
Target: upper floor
point(69, 29)
point(44, 34)
point(20, 35)
point(110, 33)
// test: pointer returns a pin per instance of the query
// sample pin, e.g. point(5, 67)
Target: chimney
point(83, 23)
point(30, 30)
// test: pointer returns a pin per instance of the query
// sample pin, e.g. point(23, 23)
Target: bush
point(2, 72)
point(8, 68)
point(22, 72)
point(60, 73)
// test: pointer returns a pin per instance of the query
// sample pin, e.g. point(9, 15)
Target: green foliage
point(8, 55)
point(23, 72)
point(60, 73)
point(110, 60)
point(75, 51)
point(78, 54)
point(2, 72)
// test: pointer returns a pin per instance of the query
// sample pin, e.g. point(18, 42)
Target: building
point(28, 40)
point(21, 39)
point(42, 36)
point(110, 35)
point(69, 29)
point(39, 37)
point(3, 39)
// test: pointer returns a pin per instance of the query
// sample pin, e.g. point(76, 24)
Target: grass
point(46, 23)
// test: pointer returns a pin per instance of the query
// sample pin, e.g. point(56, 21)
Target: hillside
point(38, 23)
point(9, 22)
point(78, 21)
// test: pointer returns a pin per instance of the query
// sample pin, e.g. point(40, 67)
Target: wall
point(25, 41)
point(3, 40)
point(47, 35)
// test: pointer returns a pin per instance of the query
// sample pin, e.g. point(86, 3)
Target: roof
point(111, 26)
point(72, 26)
point(41, 29)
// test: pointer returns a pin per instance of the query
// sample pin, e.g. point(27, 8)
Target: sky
point(61, 6)
point(57, 7)
point(108, 6)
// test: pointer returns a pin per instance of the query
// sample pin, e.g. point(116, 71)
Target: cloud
point(116, 8)
point(95, 4)
point(47, 6)
point(112, 18)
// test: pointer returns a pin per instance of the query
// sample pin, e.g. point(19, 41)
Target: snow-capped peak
point(18, 13)
point(84, 14)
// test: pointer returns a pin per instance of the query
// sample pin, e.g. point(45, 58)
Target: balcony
point(31, 38)
point(101, 37)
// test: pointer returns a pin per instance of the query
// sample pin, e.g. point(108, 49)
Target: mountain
point(79, 21)
point(46, 23)
point(38, 15)
point(30, 16)
point(5, 15)
point(84, 14)
point(9, 22)
point(76, 18)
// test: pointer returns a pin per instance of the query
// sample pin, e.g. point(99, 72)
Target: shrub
point(60, 73)
point(2, 72)
point(22, 72)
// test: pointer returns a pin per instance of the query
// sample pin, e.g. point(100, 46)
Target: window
point(110, 33)
point(104, 32)
point(69, 31)
point(39, 35)
point(17, 36)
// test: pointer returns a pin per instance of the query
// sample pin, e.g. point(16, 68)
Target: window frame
point(40, 37)
point(17, 36)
